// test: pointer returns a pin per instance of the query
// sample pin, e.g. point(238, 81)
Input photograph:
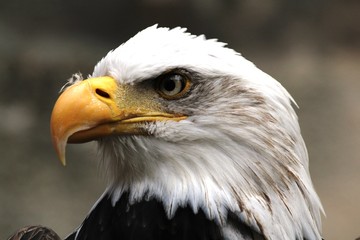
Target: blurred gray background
point(311, 46)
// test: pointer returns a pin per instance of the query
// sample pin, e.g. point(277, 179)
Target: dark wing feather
point(144, 220)
point(35, 233)
point(147, 220)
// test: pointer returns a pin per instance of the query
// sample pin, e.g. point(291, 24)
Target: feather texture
point(35, 233)
point(239, 155)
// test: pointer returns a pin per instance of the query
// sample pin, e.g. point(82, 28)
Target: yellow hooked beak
point(99, 107)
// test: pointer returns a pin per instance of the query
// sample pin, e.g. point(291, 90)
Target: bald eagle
point(196, 142)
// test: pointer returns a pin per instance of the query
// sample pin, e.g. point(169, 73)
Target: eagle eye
point(173, 85)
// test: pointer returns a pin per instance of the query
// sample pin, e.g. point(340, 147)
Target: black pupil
point(170, 82)
point(169, 85)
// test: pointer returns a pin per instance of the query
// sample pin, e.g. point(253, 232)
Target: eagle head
point(190, 122)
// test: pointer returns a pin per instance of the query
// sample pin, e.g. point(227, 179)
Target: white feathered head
point(191, 122)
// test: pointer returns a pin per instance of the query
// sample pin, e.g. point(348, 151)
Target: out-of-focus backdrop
point(311, 46)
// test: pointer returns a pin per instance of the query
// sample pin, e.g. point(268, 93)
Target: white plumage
point(240, 149)
point(242, 142)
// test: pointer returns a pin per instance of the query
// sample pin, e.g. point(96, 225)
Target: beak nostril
point(102, 93)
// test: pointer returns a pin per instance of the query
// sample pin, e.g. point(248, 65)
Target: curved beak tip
point(62, 158)
point(63, 161)
point(60, 149)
